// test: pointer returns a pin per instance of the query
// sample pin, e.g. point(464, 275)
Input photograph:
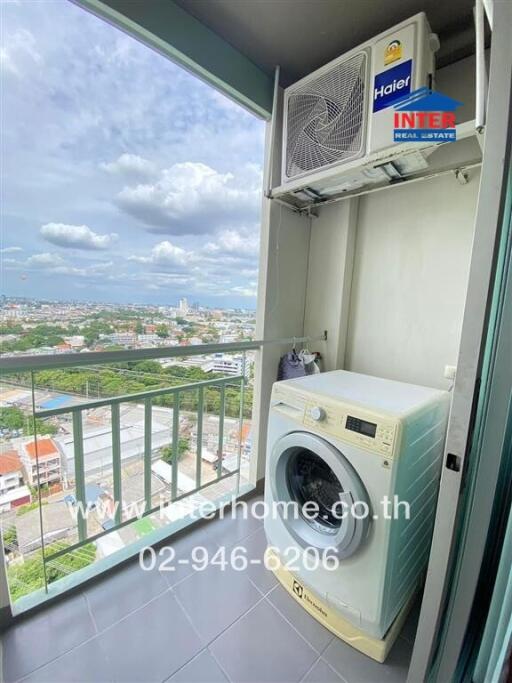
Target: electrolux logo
point(301, 593)
point(423, 116)
point(298, 589)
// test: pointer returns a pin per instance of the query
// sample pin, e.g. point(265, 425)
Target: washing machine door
point(307, 469)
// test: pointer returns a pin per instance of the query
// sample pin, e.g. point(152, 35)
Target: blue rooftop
point(57, 402)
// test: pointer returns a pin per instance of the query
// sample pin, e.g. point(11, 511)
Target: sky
point(125, 178)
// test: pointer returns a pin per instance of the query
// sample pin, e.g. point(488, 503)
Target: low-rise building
point(11, 471)
point(121, 338)
point(148, 338)
point(76, 341)
point(15, 498)
point(12, 490)
point(226, 364)
point(48, 458)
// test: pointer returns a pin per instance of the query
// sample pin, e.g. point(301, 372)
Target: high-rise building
point(183, 306)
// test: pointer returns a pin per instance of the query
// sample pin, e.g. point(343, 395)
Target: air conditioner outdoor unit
point(343, 111)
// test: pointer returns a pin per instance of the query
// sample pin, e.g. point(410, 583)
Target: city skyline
point(94, 302)
point(127, 180)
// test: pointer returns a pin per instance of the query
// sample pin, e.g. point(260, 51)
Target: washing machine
point(376, 445)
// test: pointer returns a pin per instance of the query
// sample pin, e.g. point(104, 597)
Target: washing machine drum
point(307, 469)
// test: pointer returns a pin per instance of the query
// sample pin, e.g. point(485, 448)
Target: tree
point(43, 427)
point(167, 453)
point(28, 577)
point(11, 328)
point(162, 331)
point(11, 418)
point(139, 327)
point(14, 418)
point(150, 366)
point(10, 539)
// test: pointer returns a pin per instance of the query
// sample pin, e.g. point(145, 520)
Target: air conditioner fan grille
point(325, 117)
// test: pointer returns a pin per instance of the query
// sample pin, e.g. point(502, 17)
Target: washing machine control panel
point(356, 425)
point(375, 432)
point(317, 413)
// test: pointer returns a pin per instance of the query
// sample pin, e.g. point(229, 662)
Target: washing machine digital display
point(361, 426)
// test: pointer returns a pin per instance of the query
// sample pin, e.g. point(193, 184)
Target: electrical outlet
point(450, 371)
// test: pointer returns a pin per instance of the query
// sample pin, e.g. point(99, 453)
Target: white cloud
point(90, 271)
point(245, 291)
point(230, 249)
point(44, 260)
point(234, 242)
point(54, 263)
point(131, 165)
point(76, 236)
point(88, 150)
point(191, 198)
point(10, 250)
point(165, 254)
point(17, 46)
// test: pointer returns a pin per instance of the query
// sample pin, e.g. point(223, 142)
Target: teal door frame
point(448, 598)
point(486, 494)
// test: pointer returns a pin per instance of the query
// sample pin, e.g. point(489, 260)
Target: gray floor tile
point(152, 643)
point(322, 673)
point(84, 664)
point(255, 545)
point(181, 565)
point(202, 669)
point(229, 531)
point(123, 591)
point(316, 634)
point(263, 647)
point(37, 640)
point(355, 667)
point(214, 598)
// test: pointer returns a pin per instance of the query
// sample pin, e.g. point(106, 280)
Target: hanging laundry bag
point(290, 366)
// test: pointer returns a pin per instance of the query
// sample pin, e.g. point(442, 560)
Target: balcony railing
point(111, 502)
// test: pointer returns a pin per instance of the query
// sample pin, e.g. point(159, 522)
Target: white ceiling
point(301, 35)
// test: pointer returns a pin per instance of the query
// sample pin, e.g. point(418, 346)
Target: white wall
point(458, 81)
point(387, 280)
point(282, 276)
point(281, 301)
point(406, 287)
point(411, 264)
point(331, 254)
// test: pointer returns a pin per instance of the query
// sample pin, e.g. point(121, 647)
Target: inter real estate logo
point(424, 116)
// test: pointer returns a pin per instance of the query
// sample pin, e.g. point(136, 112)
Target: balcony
point(114, 497)
point(116, 473)
point(122, 559)
point(174, 623)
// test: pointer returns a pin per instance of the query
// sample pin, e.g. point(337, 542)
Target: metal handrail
point(146, 397)
point(67, 360)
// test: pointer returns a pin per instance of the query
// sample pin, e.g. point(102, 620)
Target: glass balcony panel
point(122, 452)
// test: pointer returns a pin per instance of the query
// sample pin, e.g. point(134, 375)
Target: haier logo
point(392, 84)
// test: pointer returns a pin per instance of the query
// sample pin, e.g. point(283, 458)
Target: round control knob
point(317, 414)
